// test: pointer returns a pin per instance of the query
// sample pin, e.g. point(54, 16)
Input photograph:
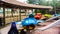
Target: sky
point(48, 0)
point(22, 0)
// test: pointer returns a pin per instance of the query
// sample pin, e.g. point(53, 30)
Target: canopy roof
point(14, 3)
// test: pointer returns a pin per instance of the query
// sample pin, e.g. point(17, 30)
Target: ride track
point(51, 25)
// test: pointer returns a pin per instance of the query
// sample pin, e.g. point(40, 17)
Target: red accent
point(38, 16)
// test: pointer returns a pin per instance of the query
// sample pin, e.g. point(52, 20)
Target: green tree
point(32, 1)
point(54, 3)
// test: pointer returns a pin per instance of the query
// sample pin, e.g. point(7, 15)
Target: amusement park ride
point(29, 23)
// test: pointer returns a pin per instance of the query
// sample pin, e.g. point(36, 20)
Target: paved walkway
point(54, 30)
point(5, 30)
point(48, 31)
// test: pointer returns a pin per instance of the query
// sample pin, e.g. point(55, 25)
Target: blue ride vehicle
point(29, 20)
point(56, 14)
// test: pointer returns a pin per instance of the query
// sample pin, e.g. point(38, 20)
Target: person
point(48, 26)
point(13, 29)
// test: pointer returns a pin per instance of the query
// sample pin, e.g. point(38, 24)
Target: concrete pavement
point(5, 30)
point(54, 30)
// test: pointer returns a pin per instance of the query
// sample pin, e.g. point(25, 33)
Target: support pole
point(12, 13)
point(17, 15)
point(4, 16)
point(25, 13)
point(20, 14)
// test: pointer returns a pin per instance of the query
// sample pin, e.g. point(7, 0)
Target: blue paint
point(18, 22)
point(29, 21)
point(56, 14)
point(40, 21)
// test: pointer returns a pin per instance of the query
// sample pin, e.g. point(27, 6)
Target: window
point(22, 11)
point(7, 12)
point(1, 10)
point(15, 11)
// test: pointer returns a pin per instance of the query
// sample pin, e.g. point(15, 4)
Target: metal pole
point(12, 13)
point(4, 16)
point(20, 14)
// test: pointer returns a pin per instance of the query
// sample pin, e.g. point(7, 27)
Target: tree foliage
point(54, 3)
point(33, 1)
point(44, 2)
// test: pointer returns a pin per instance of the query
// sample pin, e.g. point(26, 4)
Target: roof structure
point(14, 3)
